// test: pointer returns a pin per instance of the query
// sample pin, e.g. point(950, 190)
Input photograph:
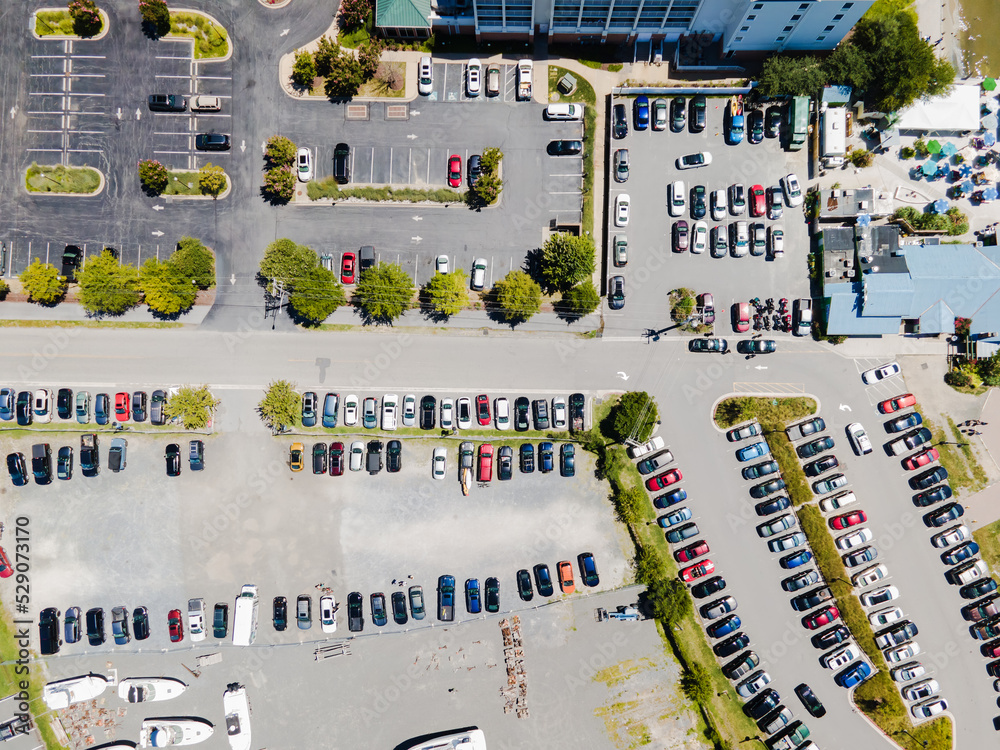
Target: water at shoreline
point(981, 19)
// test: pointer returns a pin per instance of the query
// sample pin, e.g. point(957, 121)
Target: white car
point(328, 614)
point(676, 199)
point(753, 683)
point(409, 410)
point(929, 708)
point(921, 690)
point(304, 164)
point(854, 539)
point(880, 373)
point(41, 405)
point(653, 445)
point(464, 413)
point(718, 202)
point(389, 402)
point(196, 619)
point(907, 672)
point(885, 616)
point(841, 657)
point(793, 193)
point(879, 596)
point(357, 455)
point(868, 576)
point(776, 241)
point(951, 536)
point(699, 237)
point(474, 77)
point(737, 199)
point(692, 161)
point(501, 413)
point(900, 653)
point(559, 413)
point(350, 410)
point(447, 414)
point(425, 76)
point(622, 203)
point(859, 439)
point(439, 463)
point(478, 274)
point(441, 264)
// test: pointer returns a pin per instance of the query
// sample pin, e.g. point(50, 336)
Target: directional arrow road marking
point(157, 208)
point(845, 407)
point(418, 218)
point(138, 113)
point(760, 367)
point(622, 375)
point(232, 279)
point(416, 239)
point(243, 146)
point(412, 136)
point(284, 33)
point(157, 233)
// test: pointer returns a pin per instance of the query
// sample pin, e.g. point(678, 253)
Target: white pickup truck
point(524, 68)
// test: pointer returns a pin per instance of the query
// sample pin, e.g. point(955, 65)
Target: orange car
point(566, 577)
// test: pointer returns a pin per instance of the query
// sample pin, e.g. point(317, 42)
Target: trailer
point(245, 616)
point(625, 613)
point(14, 727)
point(833, 147)
point(798, 122)
point(465, 461)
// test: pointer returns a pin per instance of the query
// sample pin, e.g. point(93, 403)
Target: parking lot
point(449, 84)
point(651, 259)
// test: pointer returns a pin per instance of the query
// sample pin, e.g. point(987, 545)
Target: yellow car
point(295, 459)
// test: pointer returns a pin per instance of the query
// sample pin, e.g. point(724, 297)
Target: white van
point(564, 112)
point(837, 502)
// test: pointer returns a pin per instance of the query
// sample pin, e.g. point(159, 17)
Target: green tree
point(194, 407)
point(345, 77)
point(518, 295)
point(287, 262)
point(108, 287)
point(86, 18)
point(303, 69)
point(155, 16)
point(195, 262)
point(354, 13)
point(42, 283)
point(211, 179)
point(734, 411)
point(279, 151)
point(384, 292)
point(848, 65)
point(989, 369)
point(165, 289)
point(784, 75)
point(4, 289)
point(487, 189)
point(447, 292)
point(317, 295)
point(634, 416)
point(327, 50)
point(669, 599)
point(941, 78)
point(567, 260)
point(279, 184)
point(370, 55)
point(628, 502)
point(696, 684)
point(581, 300)
point(153, 176)
point(280, 406)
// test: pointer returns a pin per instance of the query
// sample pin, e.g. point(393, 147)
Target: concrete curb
point(100, 188)
point(274, 6)
point(105, 27)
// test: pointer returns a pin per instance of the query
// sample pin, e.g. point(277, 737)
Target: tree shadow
point(169, 317)
point(495, 311)
point(428, 310)
point(156, 29)
point(367, 319)
point(273, 199)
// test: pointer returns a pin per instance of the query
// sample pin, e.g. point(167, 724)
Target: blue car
point(724, 627)
point(309, 409)
point(641, 112)
point(670, 498)
point(752, 451)
point(672, 519)
point(853, 675)
point(331, 405)
point(472, 601)
point(102, 408)
point(7, 397)
point(795, 559)
point(545, 460)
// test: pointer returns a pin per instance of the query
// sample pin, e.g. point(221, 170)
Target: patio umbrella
point(965, 170)
point(989, 84)
point(990, 194)
point(929, 168)
point(949, 149)
point(934, 146)
point(940, 206)
point(967, 186)
point(989, 122)
point(942, 167)
point(991, 104)
point(989, 139)
point(864, 220)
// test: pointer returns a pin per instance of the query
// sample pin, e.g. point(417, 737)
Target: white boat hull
point(174, 732)
point(63, 693)
point(237, 710)
point(149, 689)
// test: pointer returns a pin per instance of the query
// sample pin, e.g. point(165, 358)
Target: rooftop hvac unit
point(831, 272)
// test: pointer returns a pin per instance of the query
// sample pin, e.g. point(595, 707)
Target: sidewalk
point(72, 311)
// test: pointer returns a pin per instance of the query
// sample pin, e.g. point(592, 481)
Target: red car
point(483, 410)
point(6, 571)
point(347, 267)
point(176, 626)
point(485, 462)
point(757, 201)
point(122, 407)
point(920, 459)
point(336, 459)
point(455, 171)
point(704, 568)
point(741, 317)
point(665, 479)
point(824, 617)
point(692, 551)
point(896, 403)
point(847, 520)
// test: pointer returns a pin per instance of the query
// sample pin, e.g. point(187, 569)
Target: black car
point(820, 465)
point(577, 403)
point(541, 414)
point(474, 169)
point(708, 587)
point(379, 616)
point(925, 479)
point(524, 585)
point(564, 148)
point(567, 460)
point(492, 598)
point(173, 459)
point(831, 637)
point(95, 626)
point(70, 262)
point(772, 505)
point(140, 623)
point(505, 463)
point(811, 599)
point(41, 463)
point(64, 403)
point(808, 697)
point(355, 612)
point(699, 206)
point(521, 414)
point(763, 704)
point(212, 142)
point(319, 458)
point(393, 456)
point(157, 402)
point(772, 122)
point(588, 569)
point(769, 487)
point(814, 447)
point(398, 601)
point(342, 171)
point(17, 469)
point(761, 470)
point(708, 345)
point(759, 346)
point(279, 616)
point(64, 463)
point(373, 459)
point(543, 580)
point(699, 114)
point(678, 116)
point(428, 408)
point(619, 120)
point(48, 631)
point(944, 514)
point(755, 126)
point(527, 454)
point(23, 409)
point(731, 645)
point(196, 455)
point(978, 588)
point(167, 103)
point(139, 406)
point(220, 620)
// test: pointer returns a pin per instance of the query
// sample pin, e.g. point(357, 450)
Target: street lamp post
point(903, 731)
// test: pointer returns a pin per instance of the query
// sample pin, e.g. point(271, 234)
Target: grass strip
point(61, 23)
point(584, 94)
point(59, 179)
point(210, 39)
point(12, 682)
point(796, 484)
point(328, 188)
point(185, 183)
point(955, 461)
point(780, 411)
point(988, 539)
point(978, 473)
point(85, 324)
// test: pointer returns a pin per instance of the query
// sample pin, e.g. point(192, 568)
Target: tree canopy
point(384, 291)
point(43, 283)
point(316, 295)
point(280, 406)
point(448, 293)
point(193, 406)
point(288, 262)
point(165, 289)
point(195, 261)
point(634, 416)
point(108, 287)
point(518, 295)
point(581, 300)
point(567, 260)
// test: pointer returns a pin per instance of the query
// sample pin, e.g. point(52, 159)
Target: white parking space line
point(45, 131)
point(57, 150)
point(173, 57)
point(89, 57)
point(158, 75)
point(172, 152)
point(178, 132)
point(215, 78)
point(85, 150)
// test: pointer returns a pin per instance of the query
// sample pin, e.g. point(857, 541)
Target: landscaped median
point(328, 189)
point(208, 182)
point(56, 178)
point(584, 94)
point(878, 697)
point(81, 19)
